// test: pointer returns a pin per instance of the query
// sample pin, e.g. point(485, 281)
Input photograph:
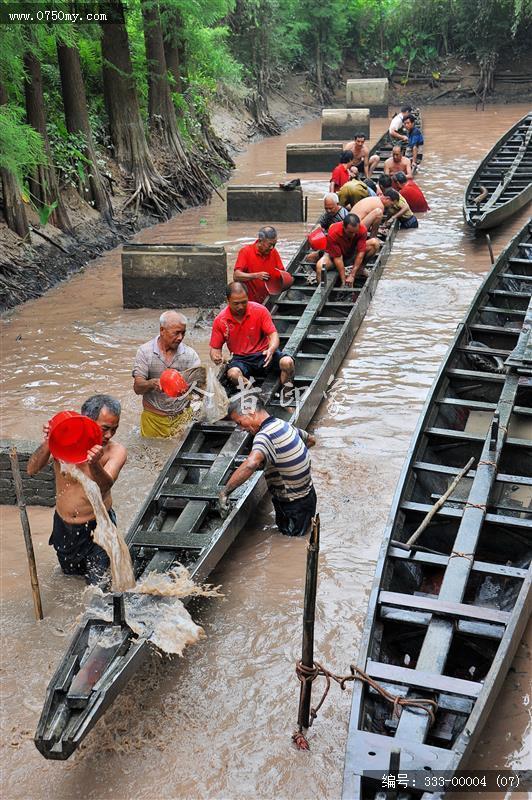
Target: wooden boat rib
point(503, 179)
point(180, 523)
point(446, 615)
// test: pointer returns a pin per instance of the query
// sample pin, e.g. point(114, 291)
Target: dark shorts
point(409, 223)
point(252, 366)
point(294, 518)
point(77, 552)
point(361, 167)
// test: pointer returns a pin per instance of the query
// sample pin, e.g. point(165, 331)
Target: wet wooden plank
point(420, 679)
point(444, 608)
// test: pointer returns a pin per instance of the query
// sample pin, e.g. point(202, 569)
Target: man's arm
point(359, 258)
point(408, 163)
point(308, 439)
point(41, 456)
point(398, 215)
point(386, 167)
point(216, 355)
point(339, 264)
point(253, 462)
point(143, 385)
point(272, 347)
point(105, 476)
point(238, 275)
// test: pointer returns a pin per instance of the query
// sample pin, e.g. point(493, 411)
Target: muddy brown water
point(217, 723)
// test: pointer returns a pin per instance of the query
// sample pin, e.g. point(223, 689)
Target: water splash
point(106, 534)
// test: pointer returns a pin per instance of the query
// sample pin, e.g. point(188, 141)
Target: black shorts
point(77, 552)
point(252, 366)
point(294, 518)
point(411, 222)
point(361, 167)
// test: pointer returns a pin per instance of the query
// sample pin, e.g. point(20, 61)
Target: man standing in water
point(74, 520)
point(258, 262)
point(163, 416)
point(281, 451)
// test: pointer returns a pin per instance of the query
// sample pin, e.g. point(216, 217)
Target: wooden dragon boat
point(446, 613)
point(502, 184)
point(180, 522)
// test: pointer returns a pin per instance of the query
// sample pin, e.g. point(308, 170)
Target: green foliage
point(68, 151)
point(21, 147)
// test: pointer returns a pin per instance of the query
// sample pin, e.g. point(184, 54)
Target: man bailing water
point(74, 519)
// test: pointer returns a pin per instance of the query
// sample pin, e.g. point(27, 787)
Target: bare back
point(365, 206)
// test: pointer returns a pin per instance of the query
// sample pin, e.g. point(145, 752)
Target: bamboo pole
point(309, 611)
point(21, 502)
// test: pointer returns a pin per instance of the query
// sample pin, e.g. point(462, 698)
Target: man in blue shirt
point(281, 451)
point(414, 148)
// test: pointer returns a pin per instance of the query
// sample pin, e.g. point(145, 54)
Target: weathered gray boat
point(180, 523)
point(447, 613)
point(502, 184)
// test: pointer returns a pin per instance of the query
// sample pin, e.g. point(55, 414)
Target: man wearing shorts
point(364, 163)
point(281, 451)
point(251, 337)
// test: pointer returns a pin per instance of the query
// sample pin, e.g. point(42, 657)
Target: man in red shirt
point(347, 245)
point(258, 262)
point(340, 173)
point(409, 189)
point(251, 337)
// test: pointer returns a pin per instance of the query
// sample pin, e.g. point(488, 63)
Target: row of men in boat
point(245, 327)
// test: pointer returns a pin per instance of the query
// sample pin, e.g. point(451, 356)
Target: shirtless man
point(398, 163)
point(361, 158)
point(74, 520)
point(370, 210)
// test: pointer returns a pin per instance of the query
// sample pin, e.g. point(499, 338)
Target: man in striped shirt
point(281, 451)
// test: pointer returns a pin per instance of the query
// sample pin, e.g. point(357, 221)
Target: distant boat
point(447, 612)
point(502, 184)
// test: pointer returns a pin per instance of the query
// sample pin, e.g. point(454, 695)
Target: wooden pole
point(21, 502)
point(490, 248)
point(439, 503)
point(307, 654)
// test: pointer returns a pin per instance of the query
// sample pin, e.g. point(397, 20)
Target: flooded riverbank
point(217, 723)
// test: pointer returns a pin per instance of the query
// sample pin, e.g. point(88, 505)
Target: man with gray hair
point(282, 452)
point(163, 416)
point(74, 519)
point(258, 262)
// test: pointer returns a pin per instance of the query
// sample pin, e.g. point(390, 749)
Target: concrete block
point(344, 123)
point(173, 275)
point(39, 490)
point(316, 157)
point(369, 93)
point(264, 204)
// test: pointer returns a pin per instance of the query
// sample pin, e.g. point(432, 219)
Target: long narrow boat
point(446, 614)
point(180, 522)
point(502, 184)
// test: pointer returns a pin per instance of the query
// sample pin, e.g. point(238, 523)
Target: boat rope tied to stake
point(308, 675)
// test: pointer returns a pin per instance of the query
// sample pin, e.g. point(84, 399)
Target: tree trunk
point(125, 122)
point(14, 211)
point(174, 50)
point(162, 120)
point(43, 183)
point(77, 121)
point(486, 83)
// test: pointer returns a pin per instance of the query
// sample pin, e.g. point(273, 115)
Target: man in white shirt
point(396, 125)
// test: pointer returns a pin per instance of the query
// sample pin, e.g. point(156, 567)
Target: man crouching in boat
point(74, 520)
point(281, 451)
point(347, 246)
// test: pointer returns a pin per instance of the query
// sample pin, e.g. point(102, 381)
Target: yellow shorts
point(157, 426)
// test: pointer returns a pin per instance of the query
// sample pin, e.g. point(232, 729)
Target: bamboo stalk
point(21, 502)
point(307, 650)
point(439, 503)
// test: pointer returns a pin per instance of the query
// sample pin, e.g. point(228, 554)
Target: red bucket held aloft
point(279, 281)
point(317, 239)
point(71, 436)
point(172, 383)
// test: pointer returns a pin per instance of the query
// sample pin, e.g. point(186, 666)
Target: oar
point(434, 510)
point(21, 502)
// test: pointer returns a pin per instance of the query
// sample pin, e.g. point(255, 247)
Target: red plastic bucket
point(172, 383)
point(279, 281)
point(71, 436)
point(317, 239)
